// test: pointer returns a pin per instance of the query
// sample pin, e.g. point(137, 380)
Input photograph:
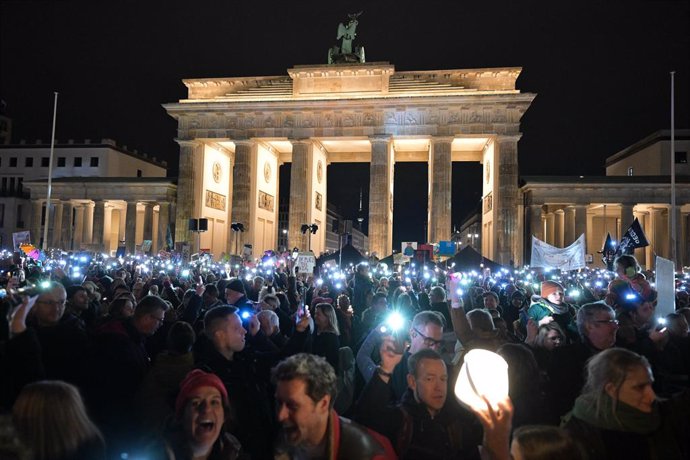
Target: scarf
point(625, 418)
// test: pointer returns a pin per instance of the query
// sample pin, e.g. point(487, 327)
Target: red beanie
point(197, 379)
point(549, 287)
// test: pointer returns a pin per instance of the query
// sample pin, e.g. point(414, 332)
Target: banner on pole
point(665, 287)
point(568, 258)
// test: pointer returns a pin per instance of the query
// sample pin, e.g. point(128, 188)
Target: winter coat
point(415, 434)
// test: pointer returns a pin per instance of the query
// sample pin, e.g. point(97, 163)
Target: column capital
point(244, 141)
point(380, 138)
point(188, 142)
point(442, 139)
point(508, 137)
point(300, 141)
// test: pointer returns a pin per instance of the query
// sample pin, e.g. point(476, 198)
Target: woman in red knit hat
point(201, 411)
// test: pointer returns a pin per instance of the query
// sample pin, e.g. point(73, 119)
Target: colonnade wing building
point(234, 133)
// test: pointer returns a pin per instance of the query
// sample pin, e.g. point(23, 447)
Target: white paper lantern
point(484, 374)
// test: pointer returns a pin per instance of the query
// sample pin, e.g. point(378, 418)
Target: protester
point(618, 415)
point(310, 428)
point(541, 442)
point(51, 419)
point(550, 306)
point(325, 341)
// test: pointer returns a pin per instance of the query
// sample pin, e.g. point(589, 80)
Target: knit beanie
point(197, 379)
point(549, 287)
point(236, 285)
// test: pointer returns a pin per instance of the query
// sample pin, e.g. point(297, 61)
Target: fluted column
point(87, 234)
point(641, 253)
point(683, 237)
point(440, 178)
point(380, 206)
point(300, 193)
point(163, 222)
point(505, 203)
point(241, 190)
point(36, 215)
point(148, 220)
point(131, 227)
point(569, 235)
point(67, 229)
point(627, 217)
point(188, 179)
point(56, 239)
point(558, 229)
point(535, 226)
point(78, 225)
point(98, 224)
point(580, 220)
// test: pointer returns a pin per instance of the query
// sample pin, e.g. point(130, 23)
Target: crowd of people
point(133, 359)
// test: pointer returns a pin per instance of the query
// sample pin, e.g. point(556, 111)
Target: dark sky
point(600, 69)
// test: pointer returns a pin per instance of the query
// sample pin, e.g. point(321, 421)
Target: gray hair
point(270, 315)
point(480, 320)
point(438, 292)
point(425, 317)
point(586, 314)
point(314, 371)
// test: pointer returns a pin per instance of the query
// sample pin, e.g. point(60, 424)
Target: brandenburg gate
point(234, 133)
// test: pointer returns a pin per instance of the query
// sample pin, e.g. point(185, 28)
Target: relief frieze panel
point(468, 119)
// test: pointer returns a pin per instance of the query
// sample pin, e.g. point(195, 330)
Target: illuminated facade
point(234, 133)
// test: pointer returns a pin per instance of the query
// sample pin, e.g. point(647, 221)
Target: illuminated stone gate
point(234, 133)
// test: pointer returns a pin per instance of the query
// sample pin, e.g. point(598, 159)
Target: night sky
point(600, 69)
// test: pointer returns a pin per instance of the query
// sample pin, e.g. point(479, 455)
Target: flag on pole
point(608, 252)
point(568, 258)
point(633, 238)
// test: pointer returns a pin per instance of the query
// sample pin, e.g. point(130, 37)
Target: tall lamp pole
point(50, 176)
point(674, 234)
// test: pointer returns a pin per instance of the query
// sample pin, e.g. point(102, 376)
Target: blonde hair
point(328, 310)
point(51, 418)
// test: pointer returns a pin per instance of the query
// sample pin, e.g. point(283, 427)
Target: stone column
point(131, 227)
point(241, 191)
point(679, 234)
point(67, 230)
point(186, 189)
point(380, 215)
point(148, 220)
point(440, 177)
point(505, 203)
point(87, 237)
point(299, 193)
point(36, 227)
point(535, 226)
point(654, 248)
point(558, 229)
point(580, 220)
point(569, 235)
point(163, 221)
point(78, 225)
point(98, 224)
point(56, 240)
point(627, 218)
point(549, 234)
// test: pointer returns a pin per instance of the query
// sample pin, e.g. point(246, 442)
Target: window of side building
point(681, 158)
point(13, 162)
point(62, 161)
point(94, 162)
point(45, 162)
point(29, 162)
point(77, 162)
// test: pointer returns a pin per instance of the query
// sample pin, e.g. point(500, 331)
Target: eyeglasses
point(428, 341)
point(606, 321)
point(54, 303)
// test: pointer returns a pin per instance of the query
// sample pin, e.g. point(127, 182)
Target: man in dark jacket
point(597, 325)
point(245, 373)
point(120, 364)
point(425, 424)
point(236, 296)
point(361, 285)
